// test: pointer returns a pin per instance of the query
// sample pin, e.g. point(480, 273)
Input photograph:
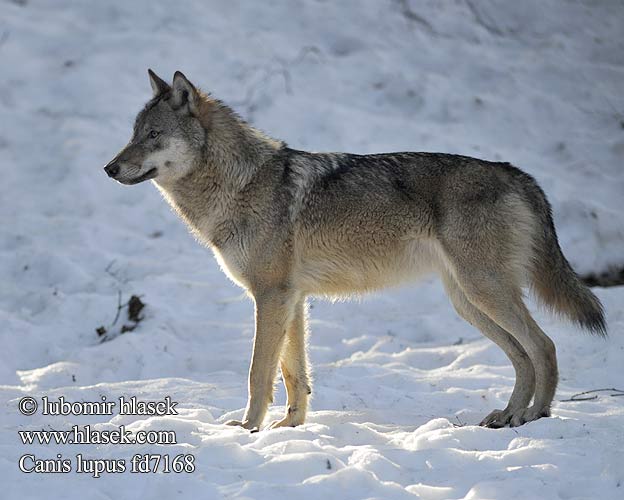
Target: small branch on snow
point(579, 396)
point(459, 424)
point(412, 16)
point(119, 307)
point(489, 27)
point(135, 306)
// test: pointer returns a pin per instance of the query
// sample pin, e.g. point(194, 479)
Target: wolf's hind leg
point(489, 247)
point(293, 363)
point(525, 374)
point(504, 305)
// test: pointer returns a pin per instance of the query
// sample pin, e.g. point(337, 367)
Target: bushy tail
point(553, 279)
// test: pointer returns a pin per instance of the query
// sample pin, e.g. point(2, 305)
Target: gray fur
point(286, 224)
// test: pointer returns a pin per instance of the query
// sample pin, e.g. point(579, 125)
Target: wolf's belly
point(340, 272)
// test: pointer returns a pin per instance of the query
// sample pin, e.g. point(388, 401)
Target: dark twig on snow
point(487, 25)
point(412, 16)
point(107, 269)
point(459, 422)
point(134, 307)
point(581, 396)
point(115, 274)
point(119, 307)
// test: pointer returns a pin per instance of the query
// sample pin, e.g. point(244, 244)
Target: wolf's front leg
point(274, 312)
point(293, 363)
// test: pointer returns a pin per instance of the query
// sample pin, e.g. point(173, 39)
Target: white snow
point(400, 380)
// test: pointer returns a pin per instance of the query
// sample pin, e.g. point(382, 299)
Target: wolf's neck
point(207, 199)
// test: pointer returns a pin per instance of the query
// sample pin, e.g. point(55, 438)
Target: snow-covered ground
point(400, 381)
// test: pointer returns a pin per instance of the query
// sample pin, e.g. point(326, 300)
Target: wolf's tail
point(553, 279)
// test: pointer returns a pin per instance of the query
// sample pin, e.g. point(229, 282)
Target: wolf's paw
point(501, 418)
point(244, 425)
point(497, 419)
point(528, 415)
point(293, 418)
point(276, 424)
point(287, 421)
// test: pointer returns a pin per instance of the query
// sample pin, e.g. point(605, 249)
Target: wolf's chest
point(233, 263)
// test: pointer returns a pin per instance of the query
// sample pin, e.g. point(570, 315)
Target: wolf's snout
point(112, 169)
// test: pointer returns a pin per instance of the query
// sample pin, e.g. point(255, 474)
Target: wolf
point(287, 224)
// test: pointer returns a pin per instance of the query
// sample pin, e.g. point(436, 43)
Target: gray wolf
point(287, 224)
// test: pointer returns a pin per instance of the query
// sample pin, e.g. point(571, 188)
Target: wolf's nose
point(112, 169)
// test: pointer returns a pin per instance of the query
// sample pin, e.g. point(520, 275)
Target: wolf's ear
point(159, 86)
point(184, 93)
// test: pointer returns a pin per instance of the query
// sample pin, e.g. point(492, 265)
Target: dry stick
point(576, 397)
point(119, 307)
point(107, 269)
point(459, 424)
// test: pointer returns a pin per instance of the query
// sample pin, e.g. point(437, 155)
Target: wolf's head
point(168, 136)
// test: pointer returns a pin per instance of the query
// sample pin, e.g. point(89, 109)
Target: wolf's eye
point(153, 134)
